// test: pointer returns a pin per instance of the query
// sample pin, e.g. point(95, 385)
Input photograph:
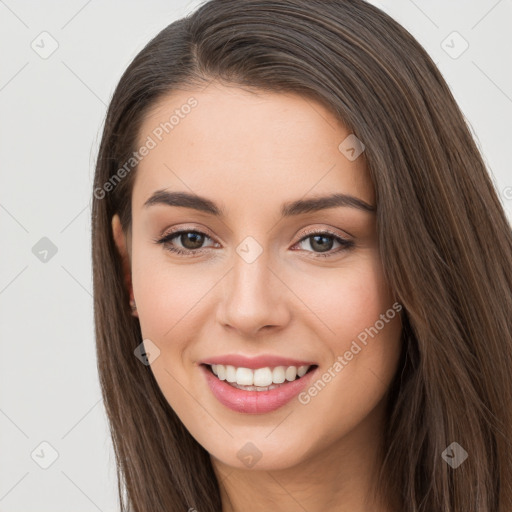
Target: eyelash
point(345, 244)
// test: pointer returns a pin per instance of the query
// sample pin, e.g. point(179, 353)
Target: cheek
point(167, 294)
point(348, 299)
point(364, 348)
point(361, 331)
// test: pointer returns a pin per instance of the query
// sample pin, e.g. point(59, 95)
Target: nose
point(254, 298)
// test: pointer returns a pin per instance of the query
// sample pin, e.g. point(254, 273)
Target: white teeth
point(302, 370)
point(230, 373)
point(290, 373)
point(278, 375)
point(260, 377)
point(244, 376)
point(221, 372)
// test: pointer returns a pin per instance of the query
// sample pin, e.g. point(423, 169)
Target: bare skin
point(249, 154)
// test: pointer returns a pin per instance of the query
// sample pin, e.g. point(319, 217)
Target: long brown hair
point(445, 242)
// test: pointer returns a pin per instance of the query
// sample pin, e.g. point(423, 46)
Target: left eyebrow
point(323, 203)
point(300, 206)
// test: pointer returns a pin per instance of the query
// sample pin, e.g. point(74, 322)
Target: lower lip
point(255, 402)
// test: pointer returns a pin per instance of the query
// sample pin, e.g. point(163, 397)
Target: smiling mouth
point(259, 379)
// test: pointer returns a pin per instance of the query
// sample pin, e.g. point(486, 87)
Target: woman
point(302, 272)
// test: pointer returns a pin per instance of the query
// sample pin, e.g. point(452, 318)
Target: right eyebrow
point(185, 200)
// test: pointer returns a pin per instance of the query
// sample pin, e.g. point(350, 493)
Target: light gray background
point(51, 112)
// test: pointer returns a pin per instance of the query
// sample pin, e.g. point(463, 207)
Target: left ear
point(120, 240)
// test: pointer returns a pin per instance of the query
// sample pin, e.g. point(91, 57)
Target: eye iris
point(322, 247)
point(197, 240)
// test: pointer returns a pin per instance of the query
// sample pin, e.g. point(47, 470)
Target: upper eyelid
point(171, 234)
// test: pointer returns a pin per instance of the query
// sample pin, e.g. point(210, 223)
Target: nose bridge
point(250, 278)
point(251, 298)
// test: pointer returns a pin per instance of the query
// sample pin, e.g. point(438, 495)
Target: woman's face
point(271, 278)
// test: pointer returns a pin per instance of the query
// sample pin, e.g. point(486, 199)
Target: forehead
point(237, 145)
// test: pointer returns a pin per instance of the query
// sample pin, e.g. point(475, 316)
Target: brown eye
point(322, 243)
point(191, 239)
point(185, 242)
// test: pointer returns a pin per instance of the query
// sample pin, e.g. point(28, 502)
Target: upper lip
point(260, 361)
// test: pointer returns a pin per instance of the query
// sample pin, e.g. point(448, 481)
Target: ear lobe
point(122, 248)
